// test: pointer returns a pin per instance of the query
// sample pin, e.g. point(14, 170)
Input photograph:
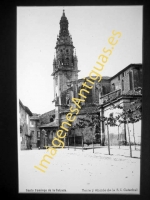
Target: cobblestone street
point(74, 171)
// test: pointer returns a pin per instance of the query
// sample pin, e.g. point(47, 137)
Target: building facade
point(123, 92)
point(35, 131)
point(119, 90)
point(24, 119)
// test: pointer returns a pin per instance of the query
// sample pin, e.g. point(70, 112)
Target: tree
point(109, 121)
point(81, 124)
point(136, 116)
point(132, 120)
point(124, 117)
point(89, 121)
point(94, 122)
point(116, 121)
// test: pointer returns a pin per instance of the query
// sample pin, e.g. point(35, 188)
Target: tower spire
point(65, 65)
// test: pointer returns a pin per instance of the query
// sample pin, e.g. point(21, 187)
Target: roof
point(34, 118)
point(21, 103)
point(129, 66)
point(124, 69)
point(28, 111)
point(51, 124)
point(52, 112)
point(25, 108)
point(35, 114)
point(83, 79)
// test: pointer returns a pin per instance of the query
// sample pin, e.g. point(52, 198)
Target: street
point(74, 171)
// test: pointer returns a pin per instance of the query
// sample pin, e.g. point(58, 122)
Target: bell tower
point(65, 63)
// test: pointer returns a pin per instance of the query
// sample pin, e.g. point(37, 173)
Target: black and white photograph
point(79, 99)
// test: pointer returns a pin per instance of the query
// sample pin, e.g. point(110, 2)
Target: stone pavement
point(77, 171)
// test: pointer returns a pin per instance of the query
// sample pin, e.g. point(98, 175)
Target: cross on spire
point(63, 12)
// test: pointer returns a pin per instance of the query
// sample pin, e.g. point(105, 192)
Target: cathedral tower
point(65, 63)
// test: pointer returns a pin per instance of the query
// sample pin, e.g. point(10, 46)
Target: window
point(32, 133)
point(67, 99)
point(51, 119)
point(122, 85)
point(32, 122)
point(38, 134)
point(123, 74)
point(89, 97)
point(113, 87)
point(111, 114)
point(130, 80)
point(118, 77)
point(21, 128)
point(102, 90)
point(67, 61)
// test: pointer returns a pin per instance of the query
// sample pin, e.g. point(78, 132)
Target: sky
point(90, 28)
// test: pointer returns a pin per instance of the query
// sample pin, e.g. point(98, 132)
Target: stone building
point(122, 92)
point(24, 119)
point(35, 131)
point(119, 89)
point(29, 131)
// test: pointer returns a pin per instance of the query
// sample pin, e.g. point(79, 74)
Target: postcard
point(79, 93)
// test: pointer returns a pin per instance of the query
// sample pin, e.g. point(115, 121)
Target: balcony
point(110, 96)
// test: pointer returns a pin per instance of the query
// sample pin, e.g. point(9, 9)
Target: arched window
point(89, 97)
point(67, 99)
point(60, 61)
point(67, 61)
point(51, 119)
point(122, 85)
